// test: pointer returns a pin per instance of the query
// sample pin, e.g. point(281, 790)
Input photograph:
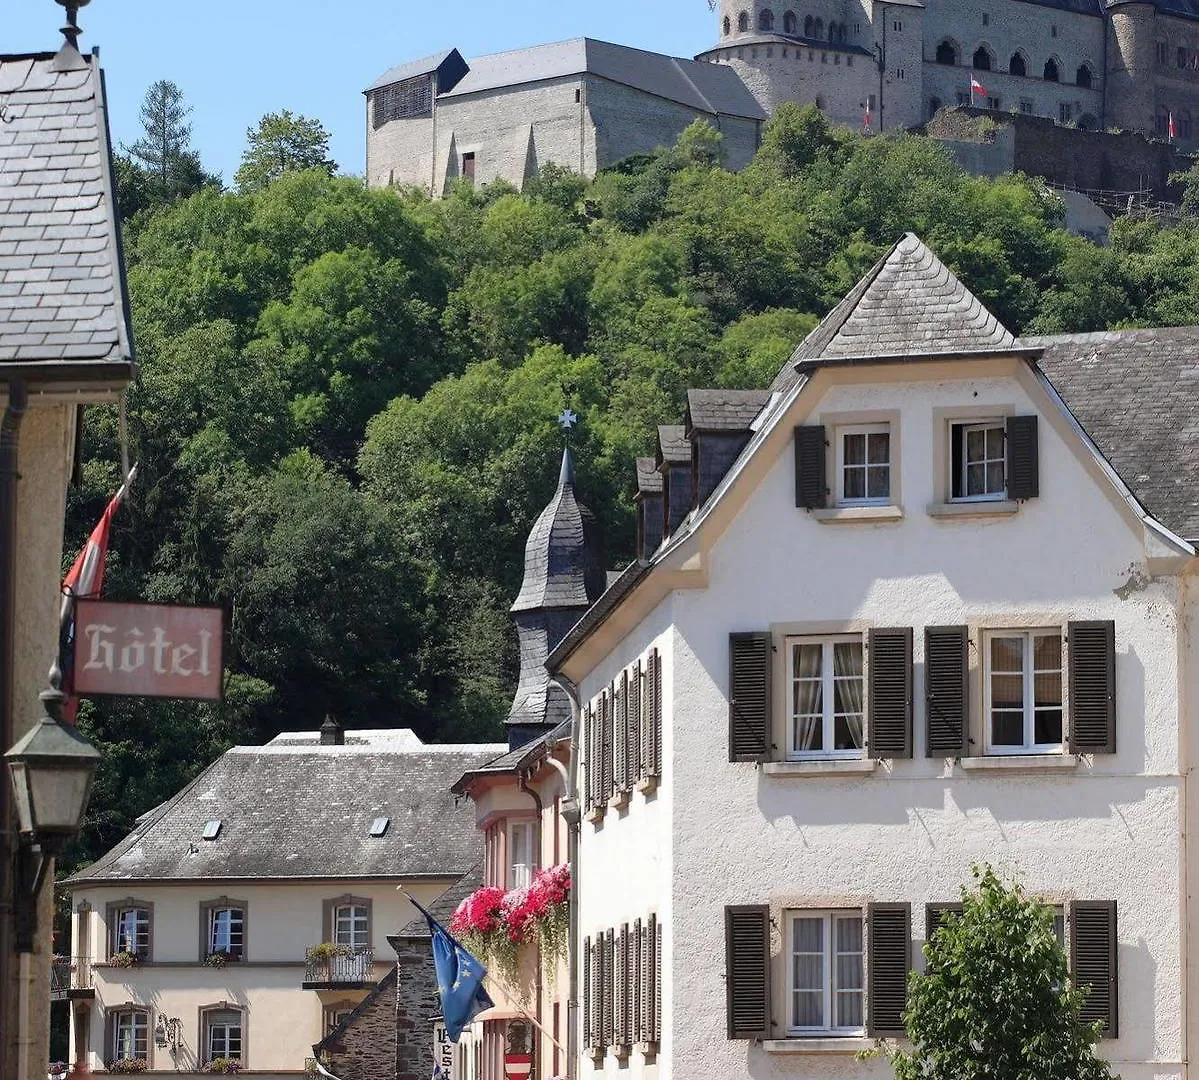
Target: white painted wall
point(1111, 829)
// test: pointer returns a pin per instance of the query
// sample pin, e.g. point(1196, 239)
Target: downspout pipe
point(571, 812)
point(523, 783)
point(10, 431)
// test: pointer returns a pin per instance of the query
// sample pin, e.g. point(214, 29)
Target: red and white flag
point(866, 120)
point(86, 579)
point(975, 87)
point(1173, 132)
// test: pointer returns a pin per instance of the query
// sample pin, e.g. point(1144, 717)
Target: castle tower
point(748, 18)
point(564, 575)
point(1128, 89)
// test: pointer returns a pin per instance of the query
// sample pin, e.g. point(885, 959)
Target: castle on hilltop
point(888, 64)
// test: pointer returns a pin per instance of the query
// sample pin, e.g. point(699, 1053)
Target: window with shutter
point(1022, 691)
point(747, 970)
point(636, 757)
point(607, 713)
point(637, 980)
point(889, 705)
point(888, 941)
point(824, 961)
point(620, 735)
point(607, 1001)
point(749, 696)
point(588, 1042)
point(810, 486)
point(825, 697)
point(654, 677)
point(934, 915)
point(656, 1015)
point(624, 1026)
point(947, 690)
point(597, 992)
point(1023, 466)
point(1094, 961)
point(1092, 660)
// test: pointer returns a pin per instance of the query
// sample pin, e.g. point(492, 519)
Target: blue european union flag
point(459, 979)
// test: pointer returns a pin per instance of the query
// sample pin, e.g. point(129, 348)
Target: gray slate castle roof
point(62, 295)
point(709, 88)
point(296, 809)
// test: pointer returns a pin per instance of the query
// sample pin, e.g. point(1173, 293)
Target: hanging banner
point(148, 650)
point(443, 1051)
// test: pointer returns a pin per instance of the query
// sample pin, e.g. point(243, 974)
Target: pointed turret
point(563, 576)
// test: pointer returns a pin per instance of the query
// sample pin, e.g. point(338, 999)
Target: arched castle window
point(743, 21)
point(818, 30)
point(982, 59)
point(1083, 77)
point(728, 26)
point(807, 26)
point(947, 53)
point(1051, 70)
point(1161, 123)
point(1017, 64)
point(766, 20)
point(842, 33)
point(790, 23)
point(832, 31)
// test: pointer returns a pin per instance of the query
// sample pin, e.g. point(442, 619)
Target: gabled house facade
point(937, 609)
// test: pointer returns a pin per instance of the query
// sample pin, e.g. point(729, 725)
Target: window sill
point(647, 785)
point(1020, 762)
point(844, 515)
point(596, 813)
point(997, 508)
point(831, 767)
point(851, 1044)
point(620, 799)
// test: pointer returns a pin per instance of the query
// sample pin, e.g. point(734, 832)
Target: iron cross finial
point(567, 419)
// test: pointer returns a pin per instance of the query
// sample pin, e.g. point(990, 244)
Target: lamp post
point(52, 767)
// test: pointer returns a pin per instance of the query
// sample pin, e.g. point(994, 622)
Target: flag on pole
point(866, 120)
point(1171, 129)
point(459, 979)
point(975, 88)
point(86, 579)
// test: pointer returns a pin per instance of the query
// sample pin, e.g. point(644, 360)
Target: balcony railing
point(71, 978)
point(337, 966)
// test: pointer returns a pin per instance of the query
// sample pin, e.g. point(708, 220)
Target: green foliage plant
point(127, 1066)
point(996, 1001)
point(281, 143)
point(326, 951)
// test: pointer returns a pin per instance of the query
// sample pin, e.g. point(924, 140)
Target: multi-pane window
point(1024, 691)
point(351, 925)
point(1065, 112)
point(864, 464)
point(130, 1035)
point(826, 686)
point(334, 1015)
point(520, 854)
point(131, 931)
point(223, 1037)
point(227, 930)
point(977, 460)
point(826, 983)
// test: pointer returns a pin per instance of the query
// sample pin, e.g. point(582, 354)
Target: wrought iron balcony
point(71, 978)
point(335, 967)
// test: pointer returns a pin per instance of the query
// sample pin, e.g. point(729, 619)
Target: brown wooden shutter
point(750, 657)
point(889, 701)
point(809, 466)
point(747, 970)
point(1094, 961)
point(609, 989)
point(934, 914)
point(947, 690)
point(626, 988)
point(1023, 466)
point(647, 980)
point(637, 759)
point(587, 1043)
point(1092, 649)
point(655, 727)
point(656, 1016)
point(620, 733)
point(608, 713)
point(589, 745)
point(597, 990)
point(889, 941)
point(638, 983)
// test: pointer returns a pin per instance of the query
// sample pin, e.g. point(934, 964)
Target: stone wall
point(363, 1046)
point(417, 1003)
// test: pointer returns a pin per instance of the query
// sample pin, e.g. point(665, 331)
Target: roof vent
point(212, 829)
point(332, 733)
point(379, 826)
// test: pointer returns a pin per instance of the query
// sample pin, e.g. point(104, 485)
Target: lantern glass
point(58, 796)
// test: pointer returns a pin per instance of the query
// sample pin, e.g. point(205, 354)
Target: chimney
point(332, 733)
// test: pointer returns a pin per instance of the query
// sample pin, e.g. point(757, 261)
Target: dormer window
point(978, 461)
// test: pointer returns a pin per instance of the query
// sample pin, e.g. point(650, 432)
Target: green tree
point(996, 1001)
point(282, 143)
point(164, 150)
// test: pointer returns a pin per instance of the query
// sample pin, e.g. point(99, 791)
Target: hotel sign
point(148, 650)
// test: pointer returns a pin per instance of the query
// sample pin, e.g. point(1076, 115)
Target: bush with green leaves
point(996, 1001)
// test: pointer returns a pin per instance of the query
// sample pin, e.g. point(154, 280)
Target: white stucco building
point(928, 602)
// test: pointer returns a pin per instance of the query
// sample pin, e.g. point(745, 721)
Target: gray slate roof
point(710, 88)
point(562, 567)
point(1136, 392)
point(296, 809)
point(910, 303)
point(448, 64)
point(724, 410)
point(649, 480)
point(62, 293)
point(673, 446)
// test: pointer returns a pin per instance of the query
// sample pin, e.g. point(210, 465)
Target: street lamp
point(52, 768)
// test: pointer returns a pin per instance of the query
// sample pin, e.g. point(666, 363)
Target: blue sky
point(237, 59)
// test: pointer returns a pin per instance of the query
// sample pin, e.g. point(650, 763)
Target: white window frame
point(830, 918)
point(236, 917)
point(828, 698)
point(139, 1026)
point(984, 425)
point(1029, 636)
point(354, 921)
point(212, 1024)
point(864, 429)
point(141, 923)
point(520, 874)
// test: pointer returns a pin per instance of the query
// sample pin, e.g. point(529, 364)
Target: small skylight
point(212, 829)
point(379, 826)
